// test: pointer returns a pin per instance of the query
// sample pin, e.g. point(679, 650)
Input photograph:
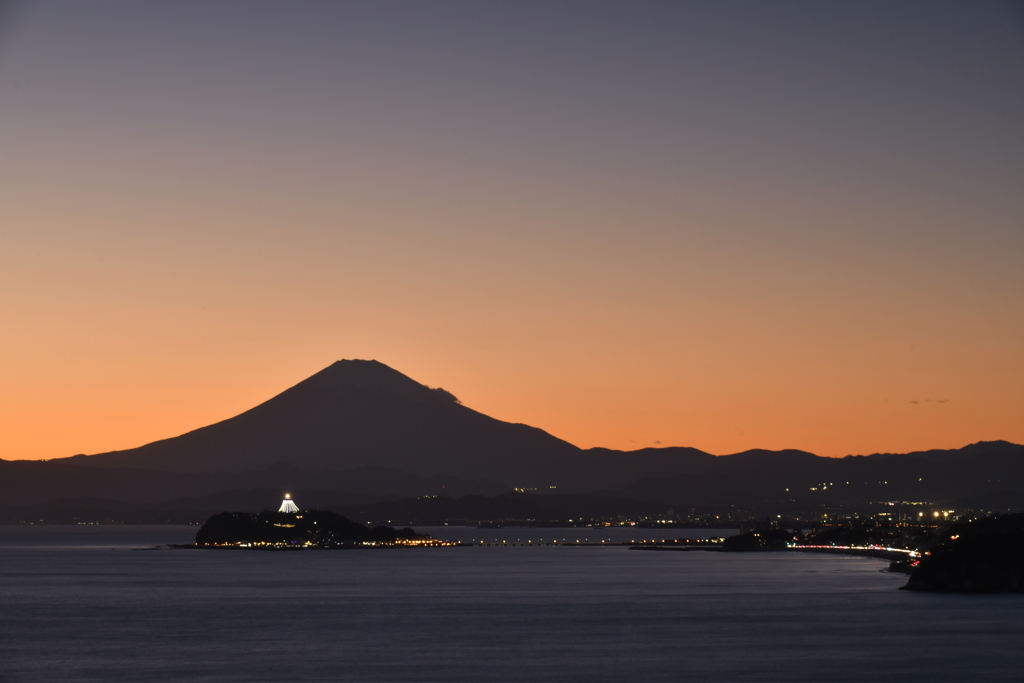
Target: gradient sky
point(724, 225)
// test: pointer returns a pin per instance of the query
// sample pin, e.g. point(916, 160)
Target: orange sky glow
point(620, 248)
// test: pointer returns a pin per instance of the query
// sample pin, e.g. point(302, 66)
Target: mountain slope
point(351, 414)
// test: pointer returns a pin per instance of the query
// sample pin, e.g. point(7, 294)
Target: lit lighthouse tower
point(288, 505)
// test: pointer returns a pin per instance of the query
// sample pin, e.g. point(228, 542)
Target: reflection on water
point(89, 608)
point(94, 535)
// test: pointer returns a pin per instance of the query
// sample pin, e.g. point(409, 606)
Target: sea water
point(81, 604)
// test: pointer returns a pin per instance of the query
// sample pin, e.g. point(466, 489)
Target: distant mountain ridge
point(986, 448)
point(359, 431)
point(798, 479)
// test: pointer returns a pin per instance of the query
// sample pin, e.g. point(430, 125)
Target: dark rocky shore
point(980, 556)
point(983, 556)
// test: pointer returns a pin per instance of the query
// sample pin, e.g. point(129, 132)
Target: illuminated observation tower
point(288, 505)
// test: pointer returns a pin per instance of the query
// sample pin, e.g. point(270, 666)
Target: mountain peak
point(358, 363)
point(367, 376)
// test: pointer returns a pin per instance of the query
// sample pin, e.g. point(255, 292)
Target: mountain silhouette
point(352, 414)
point(359, 431)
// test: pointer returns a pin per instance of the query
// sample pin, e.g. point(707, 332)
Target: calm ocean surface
point(79, 604)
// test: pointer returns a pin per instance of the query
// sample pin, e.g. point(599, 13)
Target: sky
point(725, 225)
